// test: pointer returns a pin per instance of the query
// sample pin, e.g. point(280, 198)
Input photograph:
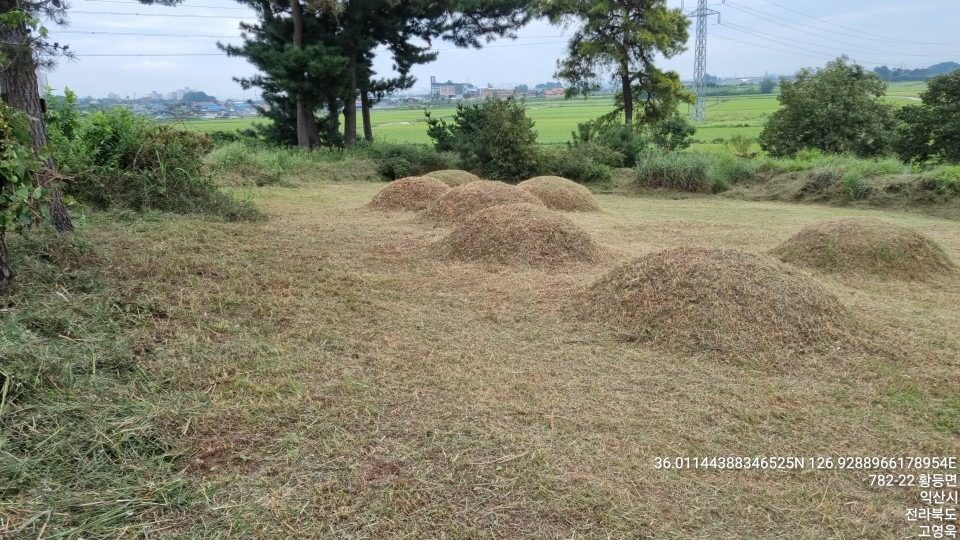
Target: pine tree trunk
point(308, 134)
point(6, 270)
point(627, 97)
point(21, 90)
point(350, 107)
point(365, 109)
point(333, 119)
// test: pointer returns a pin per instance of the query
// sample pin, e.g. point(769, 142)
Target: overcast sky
point(131, 49)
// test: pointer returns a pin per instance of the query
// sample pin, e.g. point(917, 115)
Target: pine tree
point(297, 79)
point(333, 65)
point(624, 36)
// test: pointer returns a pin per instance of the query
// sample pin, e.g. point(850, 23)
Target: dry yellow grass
point(412, 193)
point(344, 384)
point(520, 234)
point(865, 246)
point(559, 193)
point(454, 177)
point(721, 302)
point(461, 202)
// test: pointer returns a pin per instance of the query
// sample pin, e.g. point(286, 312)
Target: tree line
point(841, 109)
point(315, 61)
point(316, 58)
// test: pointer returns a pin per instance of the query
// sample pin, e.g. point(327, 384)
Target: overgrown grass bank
point(254, 164)
point(246, 163)
point(810, 176)
point(118, 160)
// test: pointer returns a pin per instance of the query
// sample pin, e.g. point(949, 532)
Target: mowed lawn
point(350, 385)
point(556, 120)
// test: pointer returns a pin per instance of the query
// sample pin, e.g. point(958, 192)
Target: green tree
point(495, 138)
point(931, 131)
point(837, 109)
point(301, 70)
point(397, 24)
point(329, 62)
point(673, 133)
point(623, 37)
point(767, 85)
point(617, 139)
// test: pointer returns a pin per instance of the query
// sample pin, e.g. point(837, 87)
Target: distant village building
point(555, 93)
point(497, 93)
point(451, 89)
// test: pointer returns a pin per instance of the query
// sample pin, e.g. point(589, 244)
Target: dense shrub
point(401, 160)
point(678, 171)
point(258, 164)
point(615, 144)
point(739, 145)
point(672, 133)
point(728, 170)
point(119, 159)
point(838, 109)
point(575, 164)
point(494, 138)
point(20, 200)
point(931, 131)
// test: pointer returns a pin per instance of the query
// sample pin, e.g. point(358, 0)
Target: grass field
point(321, 375)
point(556, 120)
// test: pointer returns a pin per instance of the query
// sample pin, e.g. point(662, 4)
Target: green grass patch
point(88, 444)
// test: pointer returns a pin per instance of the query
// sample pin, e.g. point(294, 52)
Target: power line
point(173, 15)
point(148, 54)
point(108, 55)
point(876, 37)
point(789, 23)
point(782, 41)
point(816, 54)
point(810, 44)
point(218, 36)
point(508, 45)
point(142, 34)
point(132, 2)
point(766, 47)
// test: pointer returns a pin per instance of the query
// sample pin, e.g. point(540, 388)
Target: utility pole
point(701, 14)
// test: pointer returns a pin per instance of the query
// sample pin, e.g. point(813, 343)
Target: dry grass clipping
point(723, 302)
point(559, 193)
point(454, 177)
point(858, 246)
point(411, 193)
point(519, 234)
point(461, 202)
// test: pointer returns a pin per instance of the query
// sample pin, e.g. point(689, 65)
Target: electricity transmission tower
point(702, 15)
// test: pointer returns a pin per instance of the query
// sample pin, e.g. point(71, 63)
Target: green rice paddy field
point(556, 120)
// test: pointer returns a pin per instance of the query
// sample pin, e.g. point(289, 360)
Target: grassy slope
point(321, 376)
point(727, 116)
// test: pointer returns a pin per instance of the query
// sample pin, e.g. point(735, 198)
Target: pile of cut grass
point(519, 234)
point(461, 202)
point(412, 193)
point(559, 193)
point(865, 246)
point(454, 177)
point(722, 302)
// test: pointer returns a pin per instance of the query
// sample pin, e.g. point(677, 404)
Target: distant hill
point(900, 75)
